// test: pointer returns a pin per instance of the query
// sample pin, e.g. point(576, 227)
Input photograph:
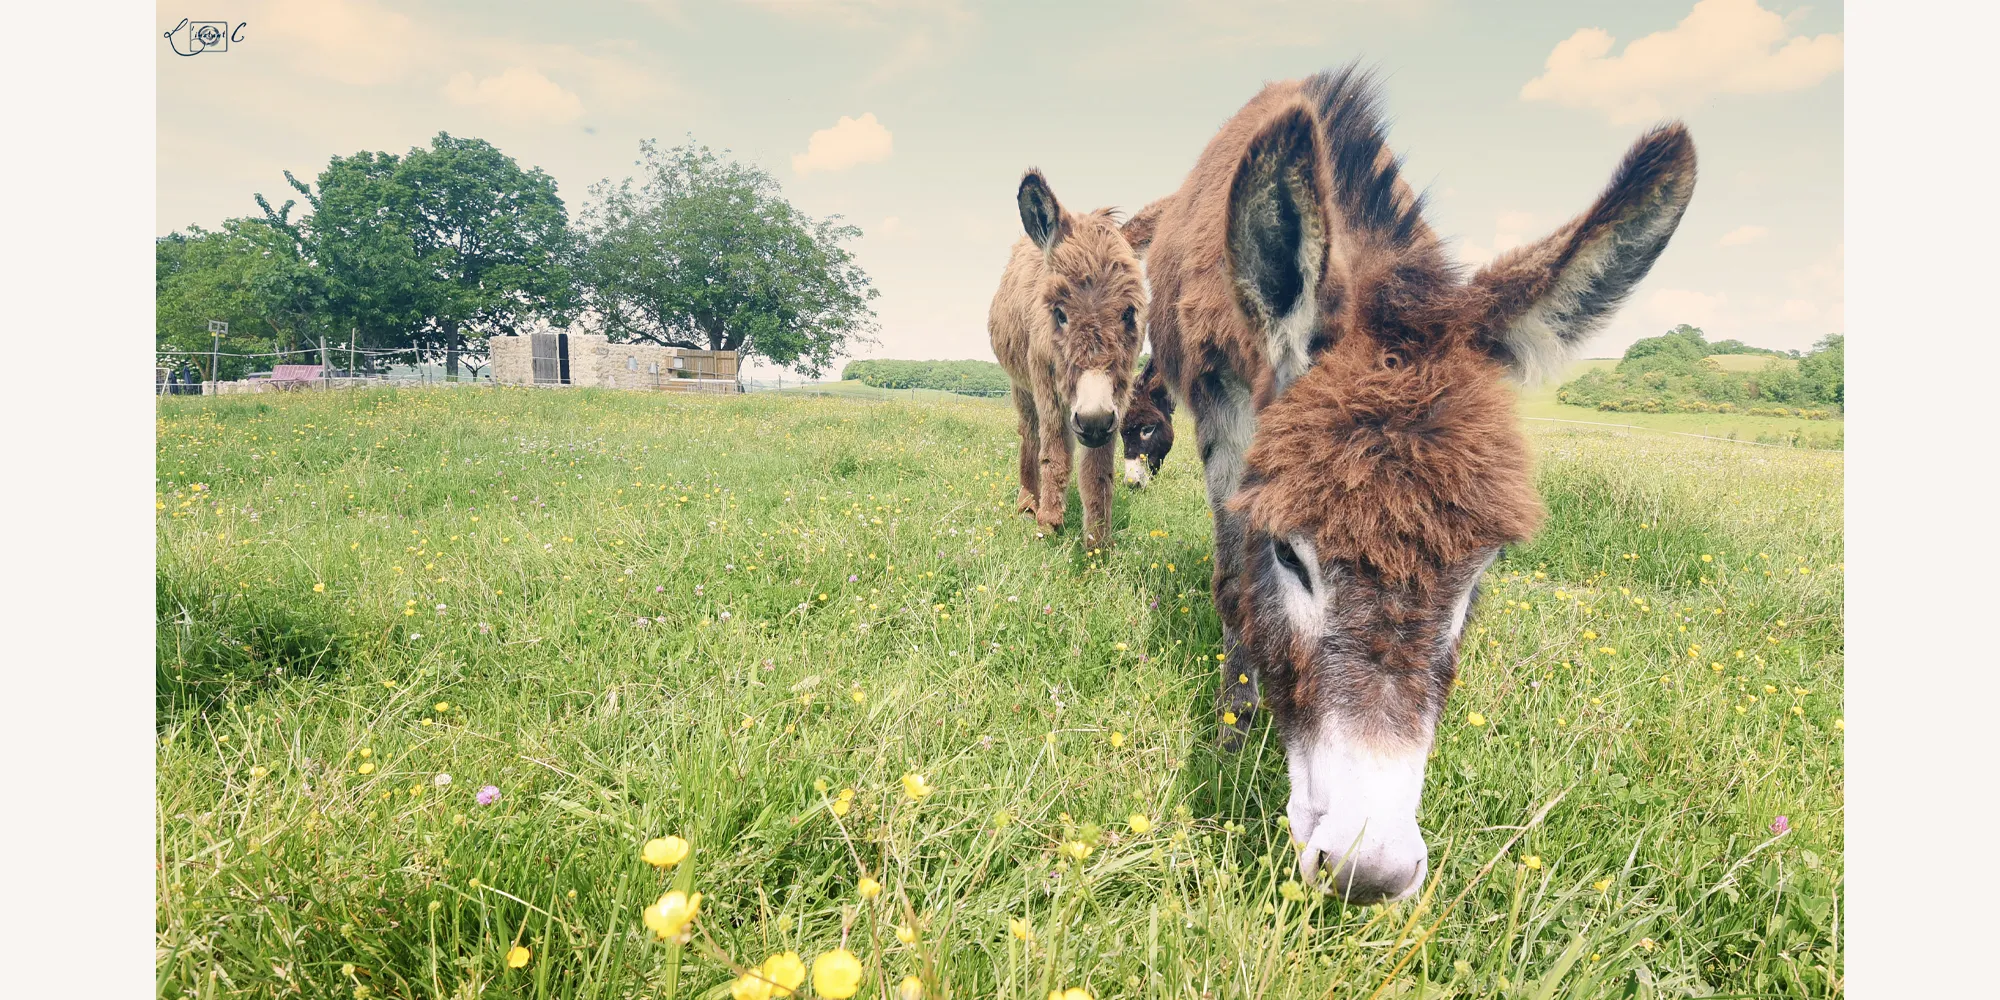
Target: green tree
point(248, 274)
point(358, 238)
point(436, 250)
point(1824, 369)
point(706, 253)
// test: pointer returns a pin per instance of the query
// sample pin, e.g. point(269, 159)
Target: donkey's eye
point(1289, 558)
point(1062, 318)
point(1131, 317)
point(1146, 432)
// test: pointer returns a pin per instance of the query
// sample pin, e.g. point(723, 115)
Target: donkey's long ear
point(1542, 301)
point(1041, 214)
point(1138, 230)
point(1277, 226)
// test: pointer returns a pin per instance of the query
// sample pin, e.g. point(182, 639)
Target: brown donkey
point(1362, 456)
point(1065, 325)
point(1148, 426)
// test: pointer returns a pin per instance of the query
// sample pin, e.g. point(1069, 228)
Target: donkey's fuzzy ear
point(1139, 229)
point(1041, 214)
point(1543, 300)
point(1276, 240)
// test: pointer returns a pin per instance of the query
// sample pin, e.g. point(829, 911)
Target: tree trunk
point(451, 342)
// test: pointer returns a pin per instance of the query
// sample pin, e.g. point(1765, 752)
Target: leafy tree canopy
point(706, 253)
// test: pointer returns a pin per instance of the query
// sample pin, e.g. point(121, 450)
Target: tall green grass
point(638, 615)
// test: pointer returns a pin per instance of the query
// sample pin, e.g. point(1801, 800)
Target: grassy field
point(744, 620)
point(1540, 404)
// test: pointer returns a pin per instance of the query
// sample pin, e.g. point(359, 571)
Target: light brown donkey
point(1065, 325)
point(1362, 456)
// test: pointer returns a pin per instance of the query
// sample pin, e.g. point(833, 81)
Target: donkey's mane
point(1367, 177)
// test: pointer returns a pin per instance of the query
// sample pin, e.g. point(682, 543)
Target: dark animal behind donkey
point(1065, 326)
point(1148, 427)
point(1363, 460)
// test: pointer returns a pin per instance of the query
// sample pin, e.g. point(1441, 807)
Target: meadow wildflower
point(1532, 862)
point(441, 779)
point(1229, 718)
point(1139, 823)
point(367, 767)
point(1601, 885)
point(1069, 994)
point(906, 934)
point(1077, 849)
point(664, 852)
point(1780, 825)
point(1475, 719)
point(517, 957)
point(784, 971)
point(488, 795)
point(1001, 818)
point(1117, 739)
point(319, 588)
point(442, 707)
point(1020, 929)
point(836, 974)
point(911, 988)
point(916, 786)
point(868, 888)
point(843, 802)
point(673, 915)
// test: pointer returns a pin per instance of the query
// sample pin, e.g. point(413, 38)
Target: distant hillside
point(973, 378)
point(1681, 372)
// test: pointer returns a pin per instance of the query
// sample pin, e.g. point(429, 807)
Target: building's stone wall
point(595, 361)
point(512, 360)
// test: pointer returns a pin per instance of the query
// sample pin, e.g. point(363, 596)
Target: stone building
point(591, 359)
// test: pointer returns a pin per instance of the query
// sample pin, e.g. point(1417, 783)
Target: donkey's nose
point(1094, 429)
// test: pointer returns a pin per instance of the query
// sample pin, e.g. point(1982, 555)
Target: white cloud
point(1510, 229)
point(850, 142)
point(1721, 47)
point(1742, 235)
point(517, 93)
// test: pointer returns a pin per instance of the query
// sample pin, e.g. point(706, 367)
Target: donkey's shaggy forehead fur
point(1403, 470)
point(1094, 276)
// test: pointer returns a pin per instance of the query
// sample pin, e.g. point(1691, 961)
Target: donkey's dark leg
point(1224, 423)
point(1236, 700)
point(1057, 444)
point(1094, 482)
point(1031, 450)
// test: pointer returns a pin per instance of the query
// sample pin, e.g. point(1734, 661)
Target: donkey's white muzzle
point(1354, 811)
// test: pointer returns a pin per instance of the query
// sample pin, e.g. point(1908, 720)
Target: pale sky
point(915, 118)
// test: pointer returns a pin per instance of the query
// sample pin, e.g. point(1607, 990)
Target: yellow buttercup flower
point(1069, 994)
point(911, 988)
point(843, 802)
point(1229, 718)
point(907, 935)
point(868, 888)
point(916, 786)
point(367, 767)
point(517, 957)
point(837, 974)
point(1601, 884)
point(1077, 849)
point(664, 852)
point(1475, 719)
point(673, 914)
point(750, 986)
point(1532, 862)
point(1020, 929)
point(785, 970)
point(1139, 823)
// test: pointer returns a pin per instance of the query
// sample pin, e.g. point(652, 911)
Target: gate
point(551, 354)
